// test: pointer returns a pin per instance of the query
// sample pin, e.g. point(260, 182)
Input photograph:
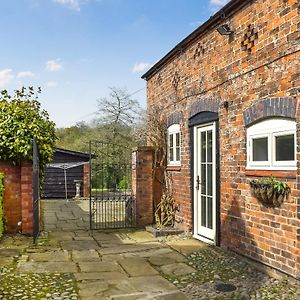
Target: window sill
point(174, 168)
point(275, 173)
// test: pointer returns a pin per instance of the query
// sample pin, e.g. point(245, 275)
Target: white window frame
point(172, 131)
point(271, 128)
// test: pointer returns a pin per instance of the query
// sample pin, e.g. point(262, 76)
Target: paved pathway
point(121, 264)
point(65, 215)
point(124, 264)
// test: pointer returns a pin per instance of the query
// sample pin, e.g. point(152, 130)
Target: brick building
point(229, 93)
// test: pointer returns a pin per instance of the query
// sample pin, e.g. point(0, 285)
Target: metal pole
point(66, 186)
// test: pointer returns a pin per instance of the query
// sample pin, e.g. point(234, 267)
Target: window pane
point(178, 146)
point(210, 212)
point(260, 149)
point(203, 179)
point(209, 146)
point(285, 147)
point(177, 139)
point(203, 146)
point(209, 180)
point(171, 148)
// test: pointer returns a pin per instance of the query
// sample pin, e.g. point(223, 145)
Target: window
point(271, 145)
point(174, 145)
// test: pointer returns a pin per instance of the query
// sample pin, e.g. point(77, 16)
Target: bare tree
point(118, 111)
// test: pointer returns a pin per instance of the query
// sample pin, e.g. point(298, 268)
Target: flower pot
point(266, 194)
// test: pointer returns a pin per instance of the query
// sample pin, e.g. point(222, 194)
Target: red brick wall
point(12, 195)
point(142, 185)
point(214, 69)
point(86, 180)
point(18, 198)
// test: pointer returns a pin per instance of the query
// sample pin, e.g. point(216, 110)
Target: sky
point(75, 50)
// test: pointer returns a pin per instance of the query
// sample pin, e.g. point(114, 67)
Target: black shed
point(61, 174)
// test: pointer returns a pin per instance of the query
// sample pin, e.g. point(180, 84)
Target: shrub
point(21, 120)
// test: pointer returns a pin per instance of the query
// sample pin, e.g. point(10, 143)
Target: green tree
point(21, 120)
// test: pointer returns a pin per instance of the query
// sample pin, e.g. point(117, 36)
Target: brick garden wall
point(213, 69)
point(18, 197)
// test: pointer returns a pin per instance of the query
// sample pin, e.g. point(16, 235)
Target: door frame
point(200, 119)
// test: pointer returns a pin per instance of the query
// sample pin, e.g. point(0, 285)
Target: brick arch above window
point(271, 107)
point(174, 118)
point(206, 104)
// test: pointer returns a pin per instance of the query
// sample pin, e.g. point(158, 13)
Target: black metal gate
point(36, 190)
point(112, 203)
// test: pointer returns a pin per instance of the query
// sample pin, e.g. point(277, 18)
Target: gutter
point(228, 10)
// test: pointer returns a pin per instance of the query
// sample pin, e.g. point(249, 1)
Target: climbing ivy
point(21, 120)
point(1, 205)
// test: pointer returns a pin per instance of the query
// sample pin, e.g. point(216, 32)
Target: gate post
point(142, 184)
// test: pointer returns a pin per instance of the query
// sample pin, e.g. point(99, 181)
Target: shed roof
point(71, 152)
point(229, 9)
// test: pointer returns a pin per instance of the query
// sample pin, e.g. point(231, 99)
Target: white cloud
point(54, 65)
point(25, 74)
point(5, 77)
point(51, 84)
point(73, 4)
point(141, 67)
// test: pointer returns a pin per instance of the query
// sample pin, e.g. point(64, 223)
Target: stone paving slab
point(106, 276)
point(106, 290)
point(136, 266)
point(128, 248)
point(141, 236)
point(79, 245)
point(85, 255)
point(177, 269)
point(102, 266)
point(151, 296)
point(152, 284)
point(187, 246)
point(8, 252)
point(166, 259)
point(46, 267)
point(4, 261)
point(50, 256)
point(61, 236)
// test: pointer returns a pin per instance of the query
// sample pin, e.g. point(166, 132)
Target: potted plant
point(269, 191)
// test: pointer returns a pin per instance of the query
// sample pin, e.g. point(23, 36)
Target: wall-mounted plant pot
point(267, 194)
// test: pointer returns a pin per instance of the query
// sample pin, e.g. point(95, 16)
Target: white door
point(205, 183)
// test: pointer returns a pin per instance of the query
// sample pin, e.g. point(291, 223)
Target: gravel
point(15, 286)
point(215, 266)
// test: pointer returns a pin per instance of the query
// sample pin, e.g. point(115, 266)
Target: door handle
point(198, 182)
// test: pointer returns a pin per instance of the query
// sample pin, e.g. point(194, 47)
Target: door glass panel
point(203, 211)
point(203, 179)
point(209, 180)
point(260, 149)
point(209, 146)
point(209, 212)
point(203, 146)
point(285, 147)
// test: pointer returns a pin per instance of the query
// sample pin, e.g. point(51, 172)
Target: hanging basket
point(267, 194)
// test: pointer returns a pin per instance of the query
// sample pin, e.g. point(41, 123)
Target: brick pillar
point(142, 184)
point(86, 180)
point(12, 196)
point(26, 197)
